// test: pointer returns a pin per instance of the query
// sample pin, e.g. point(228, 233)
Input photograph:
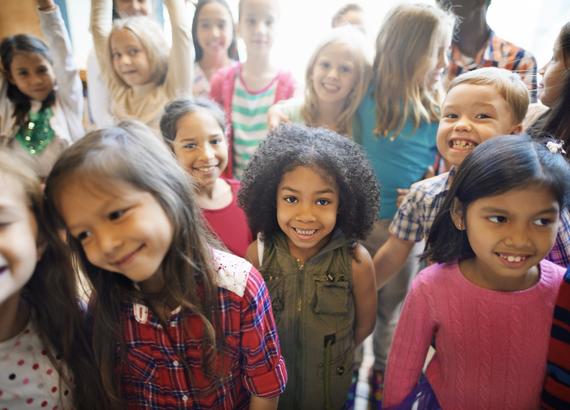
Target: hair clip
point(555, 147)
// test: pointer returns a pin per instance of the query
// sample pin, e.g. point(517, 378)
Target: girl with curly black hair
point(311, 194)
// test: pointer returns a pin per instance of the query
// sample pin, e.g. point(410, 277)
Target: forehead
point(214, 10)
point(12, 193)
point(124, 38)
point(308, 178)
point(529, 199)
point(337, 49)
point(28, 59)
point(197, 123)
point(259, 7)
point(465, 93)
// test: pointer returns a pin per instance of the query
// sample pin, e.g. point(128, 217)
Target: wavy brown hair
point(405, 42)
point(189, 274)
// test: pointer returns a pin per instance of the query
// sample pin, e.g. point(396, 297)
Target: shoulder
point(233, 272)
point(551, 274)
point(436, 275)
point(224, 73)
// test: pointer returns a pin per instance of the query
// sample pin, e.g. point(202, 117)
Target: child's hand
point(401, 195)
point(275, 117)
point(45, 5)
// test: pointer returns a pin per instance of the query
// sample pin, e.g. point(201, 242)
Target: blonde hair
point(355, 41)
point(508, 84)
point(407, 38)
point(152, 39)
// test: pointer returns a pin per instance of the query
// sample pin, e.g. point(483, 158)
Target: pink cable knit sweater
point(490, 346)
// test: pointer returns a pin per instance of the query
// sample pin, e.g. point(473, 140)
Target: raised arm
point(180, 75)
point(364, 293)
point(70, 90)
point(101, 25)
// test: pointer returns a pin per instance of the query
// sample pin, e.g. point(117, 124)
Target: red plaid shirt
point(153, 376)
point(496, 53)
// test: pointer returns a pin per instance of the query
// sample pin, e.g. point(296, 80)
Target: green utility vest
point(314, 310)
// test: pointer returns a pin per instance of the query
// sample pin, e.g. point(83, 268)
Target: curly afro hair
point(333, 155)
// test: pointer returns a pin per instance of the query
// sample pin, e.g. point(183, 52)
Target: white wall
point(530, 23)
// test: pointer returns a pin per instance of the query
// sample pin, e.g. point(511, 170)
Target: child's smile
point(307, 205)
point(510, 234)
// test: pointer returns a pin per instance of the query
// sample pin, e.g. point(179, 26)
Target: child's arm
point(70, 90)
point(251, 254)
point(390, 258)
point(101, 25)
point(413, 336)
point(364, 293)
point(180, 74)
point(262, 403)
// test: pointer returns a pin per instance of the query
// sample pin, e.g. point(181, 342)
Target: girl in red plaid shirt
point(176, 323)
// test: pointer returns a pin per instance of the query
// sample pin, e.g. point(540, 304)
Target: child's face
point(471, 114)
point(130, 59)
point(129, 8)
point(32, 74)
point(334, 73)
point(215, 30)
point(18, 239)
point(257, 25)
point(201, 148)
point(121, 228)
point(553, 74)
point(435, 64)
point(307, 206)
point(510, 234)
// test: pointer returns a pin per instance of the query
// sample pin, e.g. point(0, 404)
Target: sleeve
point(97, 95)
point(412, 339)
point(559, 254)
point(101, 24)
point(70, 89)
point(527, 70)
point(286, 86)
point(264, 372)
point(179, 78)
point(216, 86)
point(407, 222)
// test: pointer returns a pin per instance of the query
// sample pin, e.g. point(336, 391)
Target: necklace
point(36, 135)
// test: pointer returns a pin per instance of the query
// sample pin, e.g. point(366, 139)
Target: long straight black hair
point(496, 166)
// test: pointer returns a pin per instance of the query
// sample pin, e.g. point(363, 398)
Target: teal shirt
point(397, 162)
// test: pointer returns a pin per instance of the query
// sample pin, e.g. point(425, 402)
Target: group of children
point(196, 252)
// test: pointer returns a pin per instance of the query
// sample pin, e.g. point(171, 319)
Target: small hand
point(401, 195)
point(275, 117)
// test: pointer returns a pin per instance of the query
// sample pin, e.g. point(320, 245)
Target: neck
point(210, 64)
point(14, 315)
point(257, 63)
point(214, 196)
point(328, 115)
point(472, 33)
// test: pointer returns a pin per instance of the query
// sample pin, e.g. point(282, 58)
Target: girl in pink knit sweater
point(487, 303)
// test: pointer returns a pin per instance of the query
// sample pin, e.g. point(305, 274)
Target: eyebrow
point(504, 211)
point(323, 191)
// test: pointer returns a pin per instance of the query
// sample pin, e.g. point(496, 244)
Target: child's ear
point(517, 129)
point(457, 212)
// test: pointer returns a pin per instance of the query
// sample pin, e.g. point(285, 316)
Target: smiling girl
point(41, 98)
point(487, 302)
point(311, 195)
point(140, 71)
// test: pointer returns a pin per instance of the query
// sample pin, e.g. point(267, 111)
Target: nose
point(261, 28)
point(332, 72)
point(125, 59)
point(543, 69)
point(215, 31)
point(518, 236)
point(207, 151)
point(36, 79)
point(305, 213)
point(108, 243)
point(462, 124)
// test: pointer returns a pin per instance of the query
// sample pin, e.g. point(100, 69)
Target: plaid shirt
point(415, 216)
point(496, 53)
point(163, 368)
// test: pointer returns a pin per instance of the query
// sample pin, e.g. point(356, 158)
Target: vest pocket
point(332, 297)
point(337, 367)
